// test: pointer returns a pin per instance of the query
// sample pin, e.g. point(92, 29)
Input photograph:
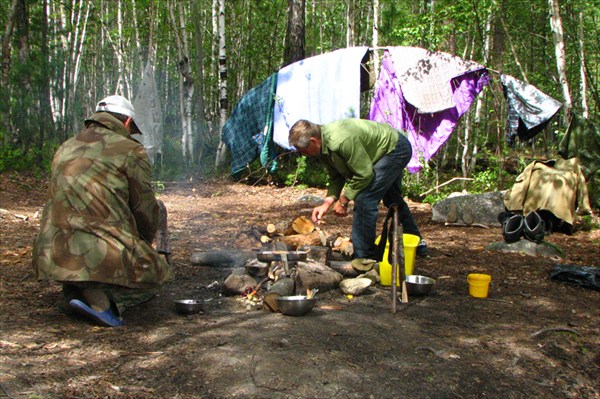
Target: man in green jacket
point(98, 227)
point(365, 161)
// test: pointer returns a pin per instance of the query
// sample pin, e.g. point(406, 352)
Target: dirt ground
point(532, 337)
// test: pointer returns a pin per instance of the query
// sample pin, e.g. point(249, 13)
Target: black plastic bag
point(583, 276)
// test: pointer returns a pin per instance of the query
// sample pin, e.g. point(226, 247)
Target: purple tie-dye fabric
point(426, 132)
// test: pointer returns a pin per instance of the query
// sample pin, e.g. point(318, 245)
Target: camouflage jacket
point(102, 215)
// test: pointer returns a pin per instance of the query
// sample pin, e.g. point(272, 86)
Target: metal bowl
point(296, 305)
point(188, 306)
point(419, 285)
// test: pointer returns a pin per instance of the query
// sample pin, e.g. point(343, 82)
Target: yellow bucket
point(479, 284)
point(410, 243)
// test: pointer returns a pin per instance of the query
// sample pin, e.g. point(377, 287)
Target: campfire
point(294, 258)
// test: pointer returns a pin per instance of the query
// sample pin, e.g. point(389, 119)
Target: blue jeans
point(387, 186)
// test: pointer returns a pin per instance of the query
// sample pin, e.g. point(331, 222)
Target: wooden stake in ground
point(399, 236)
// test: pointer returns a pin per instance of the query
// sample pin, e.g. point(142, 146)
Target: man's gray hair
point(301, 132)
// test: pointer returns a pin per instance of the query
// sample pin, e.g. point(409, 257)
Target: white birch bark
point(583, 82)
point(559, 50)
point(186, 82)
point(375, 40)
point(481, 96)
point(350, 23)
point(138, 45)
point(222, 149)
point(74, 44)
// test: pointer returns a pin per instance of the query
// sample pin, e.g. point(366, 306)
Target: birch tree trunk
point(375, 40)
point(350, 23)
point(222, 149)
point(46, 125)
point(186, 83)
point(559, 50)
point(77, 64)
point(138, 46)
point(481, 96)
point(583, 80)
point(201, 124)
point(123, 87)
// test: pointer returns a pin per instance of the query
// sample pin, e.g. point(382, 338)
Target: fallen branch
point(554, 329)
point(466, 225)
point(448, 182)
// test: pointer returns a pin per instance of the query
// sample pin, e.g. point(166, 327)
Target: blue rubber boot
point(106, 318)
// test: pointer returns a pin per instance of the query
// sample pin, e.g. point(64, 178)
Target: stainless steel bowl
point(188, 306)
point(296, 305)
point(419, 285)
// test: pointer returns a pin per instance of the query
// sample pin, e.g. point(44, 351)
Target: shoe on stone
point(534, 227)
point(422, 250)
point(512, 229)
point(106, 318)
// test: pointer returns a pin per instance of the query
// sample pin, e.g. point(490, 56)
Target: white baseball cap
point(119, 105)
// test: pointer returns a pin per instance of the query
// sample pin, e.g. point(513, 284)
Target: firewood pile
point(282, 259)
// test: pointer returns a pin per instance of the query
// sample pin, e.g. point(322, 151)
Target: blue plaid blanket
point(249, 129)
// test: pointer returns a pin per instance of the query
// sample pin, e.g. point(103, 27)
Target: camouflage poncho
point(102, 213)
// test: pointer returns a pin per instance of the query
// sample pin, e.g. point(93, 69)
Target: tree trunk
point(295, 33)
point(561, 58)
point(201, 124)
point(375, 40)
point(583, 85)
point(481, 96)
point(46, 122)
point(138, 46)
point(222, 149)
point(186, 83)
point(6, 51)
point(350, 23)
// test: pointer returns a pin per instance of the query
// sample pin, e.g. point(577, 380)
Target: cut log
point(343, 245)
point(300, 225)
point(303, 225)
point(282, 287)
point(311, 275)
point(222, 258)
point(295, 241)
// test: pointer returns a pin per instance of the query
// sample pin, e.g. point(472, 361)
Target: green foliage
point(307, 171)
point(18, 160)
point(485, 179)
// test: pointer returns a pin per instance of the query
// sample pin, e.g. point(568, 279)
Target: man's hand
point(340, 210)
point(320, 211)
